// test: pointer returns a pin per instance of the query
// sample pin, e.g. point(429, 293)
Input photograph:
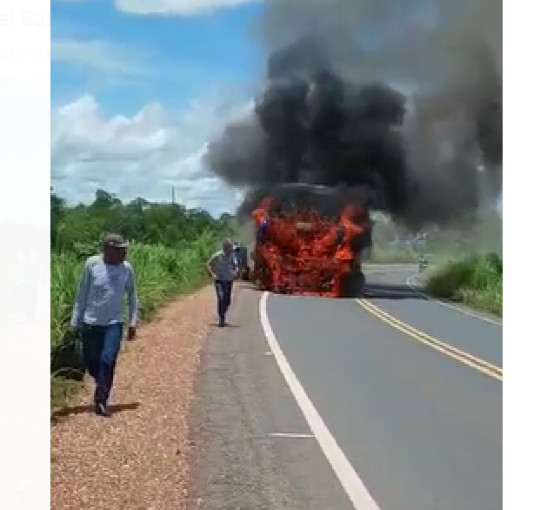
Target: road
point(339, 404)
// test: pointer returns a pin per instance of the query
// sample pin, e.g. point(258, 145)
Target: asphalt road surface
point(391, 402)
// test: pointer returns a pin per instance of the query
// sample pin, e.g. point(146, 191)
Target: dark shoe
point(102, 409)
point(222, 322)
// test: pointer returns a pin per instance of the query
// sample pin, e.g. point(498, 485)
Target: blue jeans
point(101, 346)
point(223, 293)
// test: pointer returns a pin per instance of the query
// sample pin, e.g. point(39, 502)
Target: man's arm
point(132, 299)
point(210, 265)
point(80, 301)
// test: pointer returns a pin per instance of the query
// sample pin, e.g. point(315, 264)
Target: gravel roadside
point(138, 459)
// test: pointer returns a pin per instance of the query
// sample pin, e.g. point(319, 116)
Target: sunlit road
point(390, 402)
point(418, 417)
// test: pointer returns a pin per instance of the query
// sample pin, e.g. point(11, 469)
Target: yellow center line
point(478, 364)
point(431, 339)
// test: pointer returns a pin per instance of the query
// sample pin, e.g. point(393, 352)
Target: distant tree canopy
point(80, 228)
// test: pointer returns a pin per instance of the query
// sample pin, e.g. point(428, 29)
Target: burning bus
point(315, 136)
point(309, 240)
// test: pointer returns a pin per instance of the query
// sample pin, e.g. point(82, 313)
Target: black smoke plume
point(329, 116)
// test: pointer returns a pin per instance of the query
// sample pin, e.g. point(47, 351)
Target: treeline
point(78, 229)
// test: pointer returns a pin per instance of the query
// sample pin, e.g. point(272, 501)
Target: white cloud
point(98, 56)
point(176, 7)
point(142, 155)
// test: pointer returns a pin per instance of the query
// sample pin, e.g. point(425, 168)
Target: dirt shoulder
point(138, 459)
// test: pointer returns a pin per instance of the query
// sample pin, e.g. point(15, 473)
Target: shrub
point(475, 280)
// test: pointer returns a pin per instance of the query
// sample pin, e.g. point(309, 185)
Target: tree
point(79, 229)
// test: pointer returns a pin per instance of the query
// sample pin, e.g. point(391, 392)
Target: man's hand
point(211, 273)
point(131, 333)
point(74, 328)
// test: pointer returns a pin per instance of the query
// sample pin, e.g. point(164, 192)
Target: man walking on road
point(223, 267)
point(99, 316)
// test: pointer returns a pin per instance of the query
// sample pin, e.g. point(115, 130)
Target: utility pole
point(173, 195)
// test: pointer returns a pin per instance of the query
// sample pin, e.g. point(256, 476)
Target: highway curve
point(396, 404)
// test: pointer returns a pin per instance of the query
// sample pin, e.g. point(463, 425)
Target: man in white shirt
point(223, 268)
point(99, 316)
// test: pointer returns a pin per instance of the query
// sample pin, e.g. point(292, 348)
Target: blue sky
point(181, 54)
point(108, 64)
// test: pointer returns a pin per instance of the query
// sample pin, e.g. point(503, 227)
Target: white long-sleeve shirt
point(100, 293)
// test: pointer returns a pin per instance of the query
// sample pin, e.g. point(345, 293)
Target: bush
point(475, 280)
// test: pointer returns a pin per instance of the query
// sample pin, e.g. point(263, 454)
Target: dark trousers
point(101, 346)
point(223, 293)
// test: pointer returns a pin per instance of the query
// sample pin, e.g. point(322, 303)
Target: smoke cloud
point(399, 97)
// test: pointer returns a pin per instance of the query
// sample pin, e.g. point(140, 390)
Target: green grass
point(161, 273)
point(393, 256)
point(405, 256)
point(475, 281)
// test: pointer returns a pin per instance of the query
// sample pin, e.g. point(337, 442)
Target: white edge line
point(351, 482)
point(290, 435)
point(448, 305)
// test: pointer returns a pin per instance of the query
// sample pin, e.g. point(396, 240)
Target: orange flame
point(299, 252)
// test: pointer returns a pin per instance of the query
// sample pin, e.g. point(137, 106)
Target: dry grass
point(137, 459)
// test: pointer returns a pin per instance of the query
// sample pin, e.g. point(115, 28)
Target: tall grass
point(161, 273)
point(475, 280)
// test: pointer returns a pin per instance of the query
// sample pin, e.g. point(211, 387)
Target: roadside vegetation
point(469, 269)
point(471, 233)
point(393, 256)
point(465, 261)
point(475, 281)
point(169, 245)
